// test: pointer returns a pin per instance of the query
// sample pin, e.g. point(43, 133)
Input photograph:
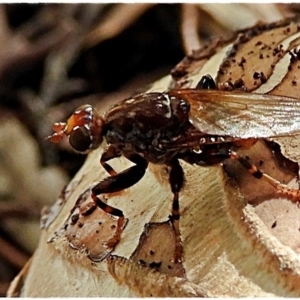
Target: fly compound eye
point(80, 139)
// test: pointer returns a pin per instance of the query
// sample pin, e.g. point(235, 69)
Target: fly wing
point(241, 115)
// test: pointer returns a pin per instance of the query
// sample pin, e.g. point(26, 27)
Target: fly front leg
point(116, 183)
point(176, 180)
point(110, 153)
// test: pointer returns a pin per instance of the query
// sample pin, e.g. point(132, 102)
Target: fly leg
point(176, 180)
point(110, 153)
point(292, 194)
point(115, 183)
point(213, 156)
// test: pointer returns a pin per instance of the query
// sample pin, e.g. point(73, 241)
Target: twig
point(4, 285)
point(118, 19)
point(223, 14)
point(59, 61)
point(4, 30)
point(268, 12)
point(17, 210)
point(12, 254)
point(189, 28)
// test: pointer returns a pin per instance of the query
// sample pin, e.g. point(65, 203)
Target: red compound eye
point(80, 139)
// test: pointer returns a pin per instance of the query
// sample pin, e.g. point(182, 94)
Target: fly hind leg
point(211, 156)
point(292, 194)
point(116, 183)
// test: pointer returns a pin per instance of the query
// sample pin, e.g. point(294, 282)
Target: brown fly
point(201, 126)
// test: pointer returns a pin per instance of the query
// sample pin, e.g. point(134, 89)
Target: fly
point(201, 126)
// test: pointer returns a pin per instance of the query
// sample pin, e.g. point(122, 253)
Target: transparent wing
point(241, 115)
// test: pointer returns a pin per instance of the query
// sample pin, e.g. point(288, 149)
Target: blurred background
point(55, 57)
